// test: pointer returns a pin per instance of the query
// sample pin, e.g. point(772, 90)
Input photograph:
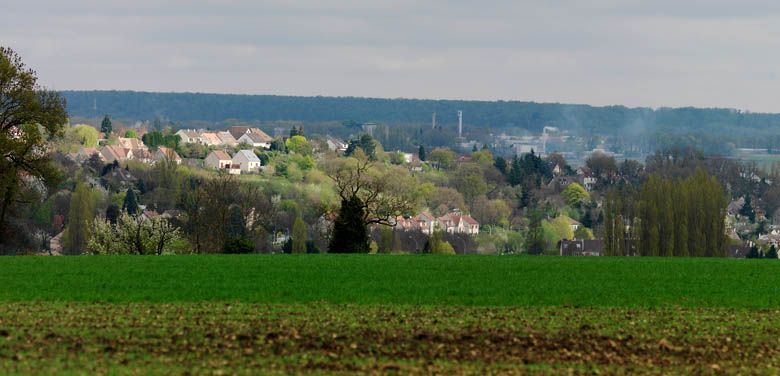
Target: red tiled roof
point(115, 151)
point(222, 155)
point(469, 220)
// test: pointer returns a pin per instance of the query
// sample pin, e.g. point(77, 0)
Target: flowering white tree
point(133, 235)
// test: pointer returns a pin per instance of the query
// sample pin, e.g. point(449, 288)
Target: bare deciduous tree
point(383, 192)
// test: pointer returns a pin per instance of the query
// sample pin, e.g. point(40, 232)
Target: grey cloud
point(640, 53)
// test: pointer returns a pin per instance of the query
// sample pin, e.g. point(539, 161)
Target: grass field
point(388, 314)
point(425, 280)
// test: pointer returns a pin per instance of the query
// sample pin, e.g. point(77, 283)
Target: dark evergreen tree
point(747, 209)
point(141, 185)
point(500, 164)
point(105, 126)
point(239, 246)
point(515, 176)
point(130, 204)
point(311, 247)
point(287, 246)
point(474, 148)
point(112, 214)
point(364, 142)
point(421, 153)
point(771, 253)
point(263, 157)
point(753, 253)
point(587, 218)
point(278, 145)
point(350, 234)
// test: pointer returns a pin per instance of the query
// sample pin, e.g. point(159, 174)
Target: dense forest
point(182, 107)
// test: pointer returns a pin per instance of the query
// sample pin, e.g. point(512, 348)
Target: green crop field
point(419, 280)
point(389, 314)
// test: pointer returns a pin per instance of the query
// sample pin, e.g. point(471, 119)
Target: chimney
point(460, 124)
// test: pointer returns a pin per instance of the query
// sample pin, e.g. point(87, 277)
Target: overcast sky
point(708, 53)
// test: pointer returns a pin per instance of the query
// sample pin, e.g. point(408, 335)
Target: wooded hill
point(183, 107)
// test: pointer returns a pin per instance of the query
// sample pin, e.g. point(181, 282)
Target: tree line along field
point(336, 314)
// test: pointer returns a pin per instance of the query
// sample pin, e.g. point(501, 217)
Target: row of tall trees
point(667, 217)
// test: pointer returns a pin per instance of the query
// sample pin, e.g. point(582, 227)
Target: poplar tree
point(535, 238)
point(667, 219)
point(681, 220)
point(299, 236)
point(609, 225)
point(680, 217)
point(79, 219)
point(620, 236)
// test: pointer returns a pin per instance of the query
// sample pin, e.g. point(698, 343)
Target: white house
point(111, 153)
point(256, 140)
point(336, 144)
point(453, 223)
point(131, 143)
point(164, 153)
point(247, 160)
point(574, 224)
point(189, 136)
point(458, 223)
point(227, 138)
point(218, 159)
point(142, 155)
point(210, 139)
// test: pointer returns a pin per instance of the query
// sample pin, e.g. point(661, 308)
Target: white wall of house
point(247, 164)
point(212, 161)
point(249, 141)
point(184, 138)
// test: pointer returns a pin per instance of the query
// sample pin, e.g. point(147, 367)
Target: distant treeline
point(716, 130)
point(528, 115)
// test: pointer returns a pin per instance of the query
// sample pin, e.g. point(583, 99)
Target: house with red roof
point(111, 153)
point(218, 159)
point(458, 223)
point(453, 223)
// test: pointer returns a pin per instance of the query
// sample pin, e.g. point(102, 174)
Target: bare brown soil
point(211, 338)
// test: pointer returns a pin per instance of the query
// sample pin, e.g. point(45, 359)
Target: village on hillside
point(570, 198)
